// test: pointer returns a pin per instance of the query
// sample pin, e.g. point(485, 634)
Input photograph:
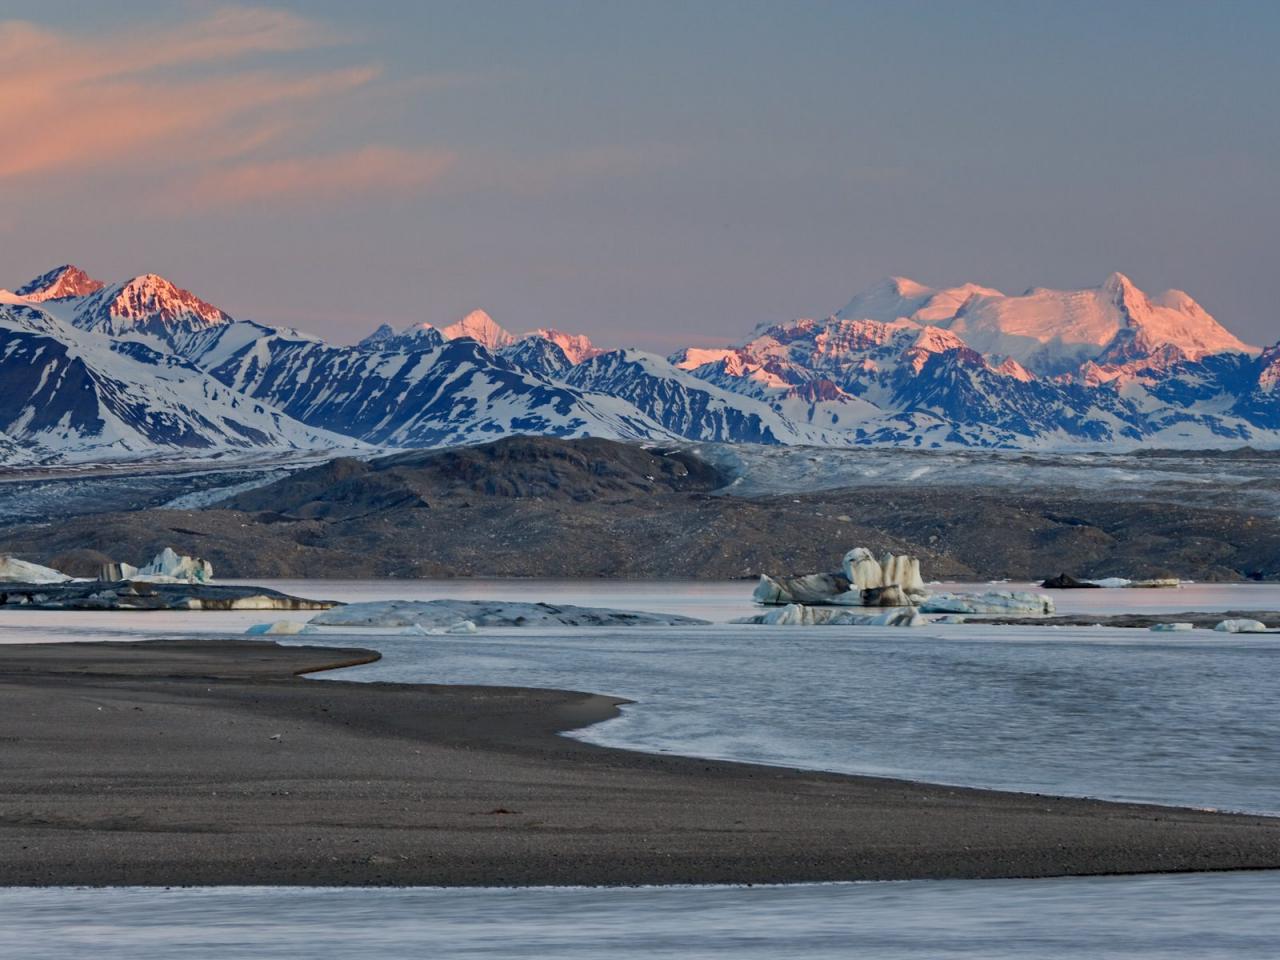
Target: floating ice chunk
point(1124, 582)
point(860, 573)
point(994, 601)
point(1241, 625)
point(1179, 627)
point(13, 570)
point(418, 630)
point(901, 617)
point(862, 569)
point(168, 565)
point(445, 614)
point(113, 572)
point(797, 614)
point(810, 588)
point(281, 628)
point(865, 572)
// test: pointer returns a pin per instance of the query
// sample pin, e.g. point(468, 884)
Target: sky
point(653, 174)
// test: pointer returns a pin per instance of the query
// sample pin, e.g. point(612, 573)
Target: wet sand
point(212, 762)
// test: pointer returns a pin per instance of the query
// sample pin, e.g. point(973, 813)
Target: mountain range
point(141, 369)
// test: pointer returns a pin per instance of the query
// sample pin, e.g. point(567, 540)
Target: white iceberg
point(168, 566)
point(13, 570)
point(1179, 627)
point(1115, 583)
point(1241, 625)
point(810, 588)
point(864, 581)
point(418, 630)
point(992, 602)
point(864, 571)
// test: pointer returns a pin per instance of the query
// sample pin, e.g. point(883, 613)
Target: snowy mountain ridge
point(95, 370)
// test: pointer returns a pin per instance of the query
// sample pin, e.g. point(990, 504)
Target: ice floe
point(798, 614)
point(486, 613)
point(992, 602)
point(13, 570)
point(281, 628)
point(1241, 625)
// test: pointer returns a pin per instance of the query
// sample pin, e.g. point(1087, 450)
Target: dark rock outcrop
point(1064, 581)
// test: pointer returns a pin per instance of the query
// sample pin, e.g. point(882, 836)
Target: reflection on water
point(1202, 916)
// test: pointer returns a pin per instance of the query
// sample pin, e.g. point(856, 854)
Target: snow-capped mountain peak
point(1054, 332)
point(479, 326)
point(576, 346)
point(889, 299)
point(58, 284)
point(142, 366)
point(147, 304)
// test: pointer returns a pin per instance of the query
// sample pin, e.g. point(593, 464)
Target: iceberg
point(1241, 625)
point(418, 630)
point(152, 595)
point(168, 566)
point(864, 571)
point(992, 602)
point(446, 614)
point(797, 614)
point(115, 572)
point(281, 628)
point(13, 570)
point(863, 581)
point(1180, 626)
point(810, 588)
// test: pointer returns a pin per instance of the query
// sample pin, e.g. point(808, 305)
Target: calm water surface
point(1124, 714)
point(1159, 917)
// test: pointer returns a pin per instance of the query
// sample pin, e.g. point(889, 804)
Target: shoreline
point(192, 763)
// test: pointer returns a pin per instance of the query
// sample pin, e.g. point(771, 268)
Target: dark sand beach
point(212, 762)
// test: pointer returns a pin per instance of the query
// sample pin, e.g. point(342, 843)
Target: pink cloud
point(175, 108)
point(74, 103)
point(162, 124)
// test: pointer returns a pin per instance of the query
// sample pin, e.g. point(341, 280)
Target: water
point(1165, 917)
point(1110, 713)
point(717, 601)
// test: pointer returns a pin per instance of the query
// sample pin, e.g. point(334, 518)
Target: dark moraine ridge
point(540, 506)
point(190, 762)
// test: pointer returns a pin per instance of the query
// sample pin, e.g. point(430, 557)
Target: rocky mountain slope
point(71, 393)
point(535, 506)
point(145, 368)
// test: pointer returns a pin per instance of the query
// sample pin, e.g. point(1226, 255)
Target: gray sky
point(651, 174)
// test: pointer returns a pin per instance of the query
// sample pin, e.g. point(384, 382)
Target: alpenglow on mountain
point(143, 368)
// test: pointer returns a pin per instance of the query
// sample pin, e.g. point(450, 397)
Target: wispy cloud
point(204, 105)
point(228, 110)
